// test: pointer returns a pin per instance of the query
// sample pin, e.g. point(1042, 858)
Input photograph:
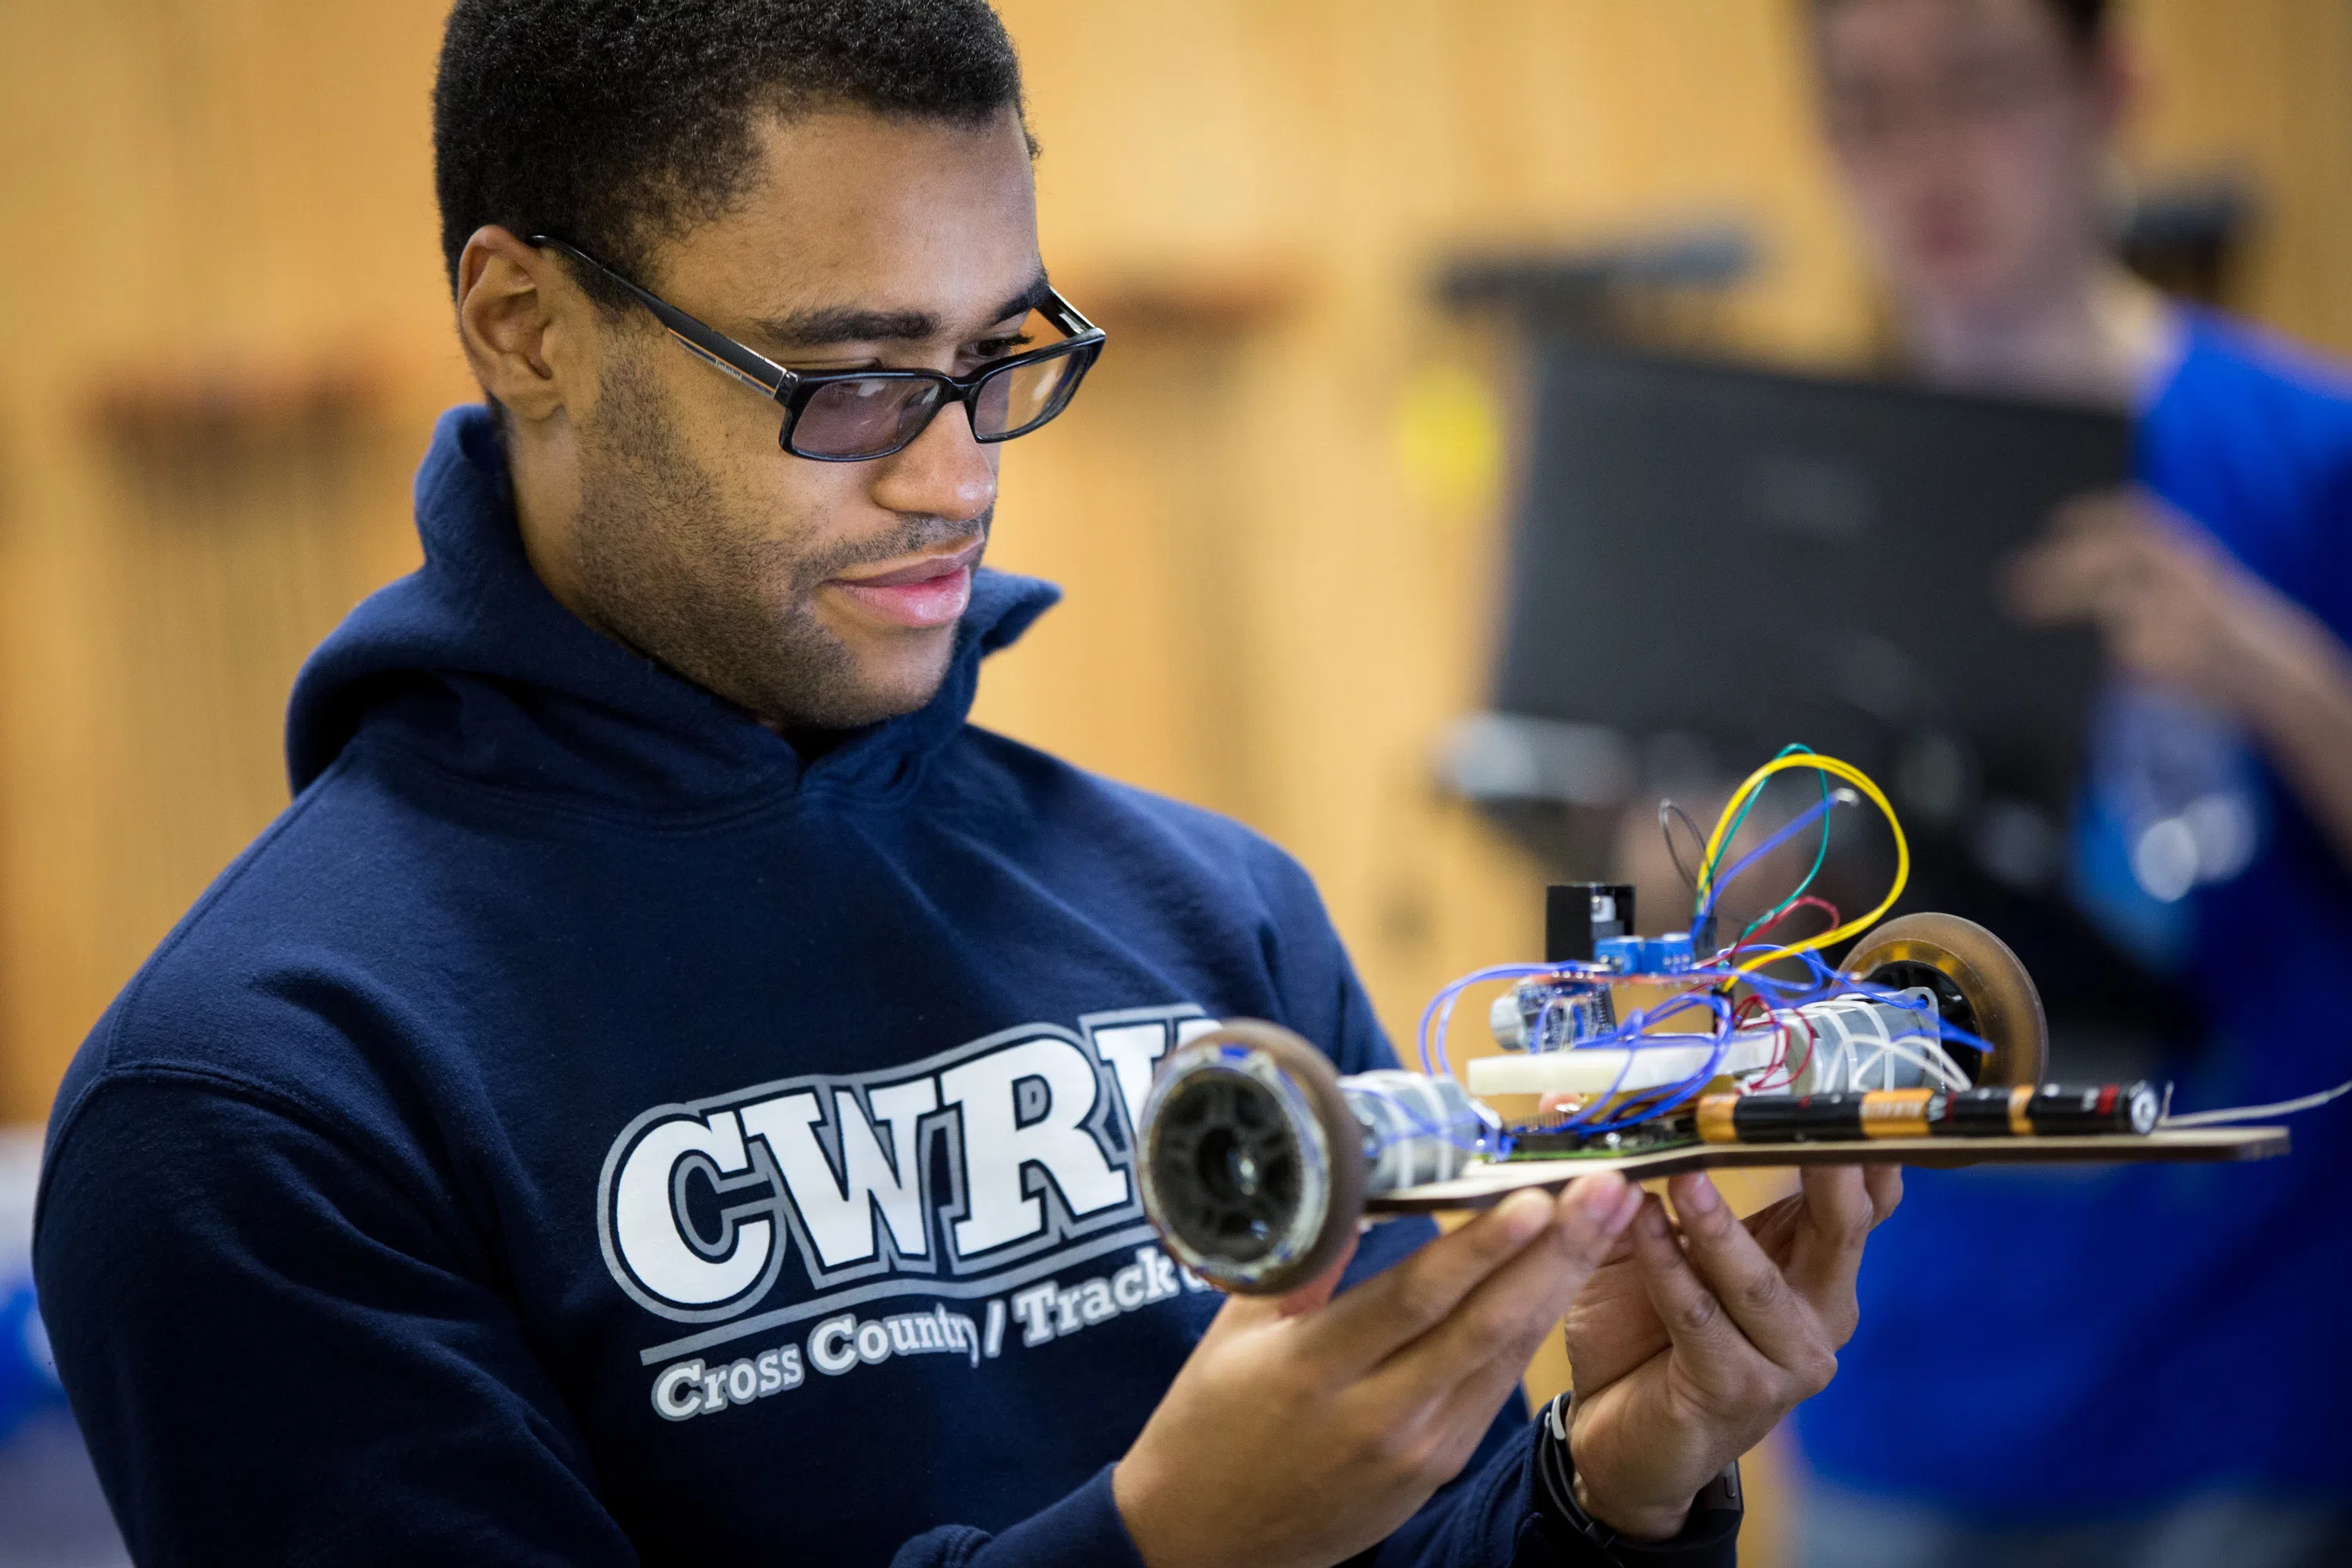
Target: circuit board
point(1537, 1144)
point(1488, 1182)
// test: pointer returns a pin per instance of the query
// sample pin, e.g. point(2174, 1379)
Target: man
point(665, 1090)
point(2157, 1383)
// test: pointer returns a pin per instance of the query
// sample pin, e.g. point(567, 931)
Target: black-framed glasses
point(857, 416)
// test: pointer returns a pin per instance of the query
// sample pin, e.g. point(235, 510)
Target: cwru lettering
point(699, 1205)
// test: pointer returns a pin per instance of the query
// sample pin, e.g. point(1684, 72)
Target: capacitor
point(1667, 955)
point(2026, 1110)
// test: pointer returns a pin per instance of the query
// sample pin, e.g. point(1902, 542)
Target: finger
point(1361, 1329)
point(1744, 1281)
point(1610, 1328)
point(1774, 1226)
point(1446, 1424)
point(1703, 1334)
point(1512, 1311)
point(1242, 1313)
point(1884, 1186)
point(1469, 1409)
point(1316, 1292)
point(2095, 510)
point(1826, 1254)
point(2072, 577)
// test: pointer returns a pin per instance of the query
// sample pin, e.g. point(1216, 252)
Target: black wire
point(1668, 813)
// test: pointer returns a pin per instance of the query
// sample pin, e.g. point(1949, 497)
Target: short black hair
point(617, 123)
point(2085, 21)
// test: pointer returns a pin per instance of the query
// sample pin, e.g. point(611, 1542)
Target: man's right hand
point(1304, 1429)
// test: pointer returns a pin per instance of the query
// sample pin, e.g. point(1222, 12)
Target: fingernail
point(1700, 1196)
point(1600, 1196)
point(1523, 1214)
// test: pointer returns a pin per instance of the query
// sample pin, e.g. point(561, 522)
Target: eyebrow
point(827, 325)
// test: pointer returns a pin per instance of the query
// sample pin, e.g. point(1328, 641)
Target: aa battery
point(2025, 1112)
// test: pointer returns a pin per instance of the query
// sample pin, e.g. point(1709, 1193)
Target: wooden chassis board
point(1488, 1184)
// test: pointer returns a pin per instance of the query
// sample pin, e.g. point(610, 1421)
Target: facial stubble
point(724, 599)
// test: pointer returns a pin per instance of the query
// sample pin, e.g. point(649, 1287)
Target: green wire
point(1707, 868)
point(1820, 856)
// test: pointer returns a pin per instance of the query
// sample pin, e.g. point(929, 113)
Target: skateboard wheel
point(1252, 1164)
point(1979, 987)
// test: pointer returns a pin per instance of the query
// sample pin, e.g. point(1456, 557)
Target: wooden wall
point(224, 340)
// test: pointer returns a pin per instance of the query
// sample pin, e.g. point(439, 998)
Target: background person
point(2143, 1365)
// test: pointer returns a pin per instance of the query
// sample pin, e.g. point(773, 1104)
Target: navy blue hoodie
point(579, 1133)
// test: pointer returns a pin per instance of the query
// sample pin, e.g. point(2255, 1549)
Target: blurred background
point(1279, 509)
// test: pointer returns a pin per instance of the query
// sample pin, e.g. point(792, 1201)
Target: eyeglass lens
point(868, 417)
point(1026, 395)
point(849, 418)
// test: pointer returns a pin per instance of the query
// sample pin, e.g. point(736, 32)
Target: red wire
point(1778, 1062)
point(1806, 901)
point(1780, 1058)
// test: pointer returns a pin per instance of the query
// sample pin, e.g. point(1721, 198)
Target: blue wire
point(1419, 1125)
point(1441, 1007)
point(1630, 1029)
point(1689, 1086)
point(1821, 982)
point(1803, 820)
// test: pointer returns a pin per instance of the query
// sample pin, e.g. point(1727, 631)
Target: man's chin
point(874, 689)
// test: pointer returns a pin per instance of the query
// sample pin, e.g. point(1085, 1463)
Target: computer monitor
point(1715, 559)
point(1749, 557)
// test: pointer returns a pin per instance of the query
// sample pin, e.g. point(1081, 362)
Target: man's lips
point(932, 591)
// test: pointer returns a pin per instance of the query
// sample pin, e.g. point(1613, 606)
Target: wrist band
point(1556, 1475)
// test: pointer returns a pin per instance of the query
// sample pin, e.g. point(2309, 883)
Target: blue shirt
point(578, 1133)
point(2040, 1344)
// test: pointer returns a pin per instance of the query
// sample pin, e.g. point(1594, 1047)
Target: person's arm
point(278, 1353)
point(1493, 1513)
point(1305, 1429)
point(281, 1352)
point(2299, 702)
point(1234, 1468)
point(1513, 1503)
point(1700, 1331)
point(2170, 604)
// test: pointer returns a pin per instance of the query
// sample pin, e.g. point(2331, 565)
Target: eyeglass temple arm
point(1066, 317)
point(756, 371)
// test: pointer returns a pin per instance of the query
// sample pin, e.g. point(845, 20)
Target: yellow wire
point(1835, 769)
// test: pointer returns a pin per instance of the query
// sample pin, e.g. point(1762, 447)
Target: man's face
point(812, 594)
point(1969, 133)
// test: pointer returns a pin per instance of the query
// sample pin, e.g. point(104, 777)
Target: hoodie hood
point(472, 659)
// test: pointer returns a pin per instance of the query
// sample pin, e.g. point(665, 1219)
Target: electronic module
point(1925, 1044)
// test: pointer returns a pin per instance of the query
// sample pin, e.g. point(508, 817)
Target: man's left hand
point(1691, 1343)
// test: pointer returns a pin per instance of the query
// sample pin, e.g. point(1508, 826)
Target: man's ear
point(524, 325)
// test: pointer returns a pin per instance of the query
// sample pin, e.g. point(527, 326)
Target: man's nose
point(943, 472)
